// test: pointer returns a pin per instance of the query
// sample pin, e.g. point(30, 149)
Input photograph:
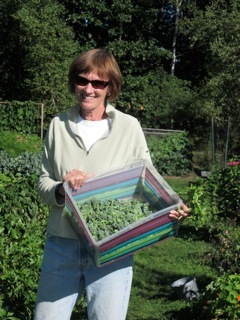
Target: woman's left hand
point(180, 214)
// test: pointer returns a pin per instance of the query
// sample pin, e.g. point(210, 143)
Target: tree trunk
point(174, 55)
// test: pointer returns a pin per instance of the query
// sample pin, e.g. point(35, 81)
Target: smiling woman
point(101, 62)
point(84, 141)
point(88, 138)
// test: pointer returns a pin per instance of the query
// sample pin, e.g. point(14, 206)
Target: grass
point(156, 268)
point(179, 183)
point(16, 143)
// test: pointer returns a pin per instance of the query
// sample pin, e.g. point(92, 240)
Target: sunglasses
point(96, 84)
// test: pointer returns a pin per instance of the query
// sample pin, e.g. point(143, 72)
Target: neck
point(93, 115)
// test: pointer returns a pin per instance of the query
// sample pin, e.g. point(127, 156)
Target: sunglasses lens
point(81, 81)
point(96, 84)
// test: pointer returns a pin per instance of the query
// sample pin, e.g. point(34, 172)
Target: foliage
point(22, 226)
point(215, 198)
point(26, 163)
point(226, 254)
point(105, 218)
point(222, 298)
point(22, 229)
point(46, 48)
point(40, 39)
point(20, 117)
point(15, 143)
point(4, 312)
point(171, 154)
point(157, 99)
point(214, 30)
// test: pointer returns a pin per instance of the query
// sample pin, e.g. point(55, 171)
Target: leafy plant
point(196, 197)
point(222, 298)
point(20, 117)
point(23, 219)
point(216, 198)
point(226, 253)
point(171, 154)
point(104, 218)
point(26, 163)
point(5, 314)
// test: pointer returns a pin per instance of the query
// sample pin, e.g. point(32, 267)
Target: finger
point(184, 208)
point(89, 175)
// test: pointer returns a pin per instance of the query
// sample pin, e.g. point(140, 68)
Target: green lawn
point(16, 143)
point(156, 268)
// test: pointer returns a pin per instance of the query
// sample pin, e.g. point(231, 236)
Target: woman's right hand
point(76, 178)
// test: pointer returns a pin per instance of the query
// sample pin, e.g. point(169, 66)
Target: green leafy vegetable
point(104, 218)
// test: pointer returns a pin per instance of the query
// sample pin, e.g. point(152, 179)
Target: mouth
point(89, 98)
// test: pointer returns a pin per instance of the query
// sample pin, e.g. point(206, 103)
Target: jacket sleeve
point(48, 182)
point(140, 148)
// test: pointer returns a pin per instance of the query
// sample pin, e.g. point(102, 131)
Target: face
point(91, 96)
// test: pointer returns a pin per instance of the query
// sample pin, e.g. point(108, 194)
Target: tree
point(46, 47)
point(174, 45)
point(11, 74)
point(215, 30)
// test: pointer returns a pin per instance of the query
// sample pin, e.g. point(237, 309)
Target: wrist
point(59, 191)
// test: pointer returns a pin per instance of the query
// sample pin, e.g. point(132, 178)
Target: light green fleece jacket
point(64, 150)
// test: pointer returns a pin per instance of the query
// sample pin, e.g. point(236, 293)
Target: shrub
point(215, 199)
point(226, 250)
point(20, 116)
point(222, 299)
point(26, 163)
point(22, 228)
point(171, 154)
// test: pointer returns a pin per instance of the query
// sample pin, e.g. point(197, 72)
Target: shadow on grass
point(190, 232)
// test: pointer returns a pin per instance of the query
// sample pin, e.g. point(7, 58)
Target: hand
point(76, 178)
point(180, 214)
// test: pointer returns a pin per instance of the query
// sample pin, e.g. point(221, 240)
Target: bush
point(23, 219)
point(226, 253)
point(171, 154)
point(216, 199)
point(20, 116)
point(221, 299)
point(26, 163)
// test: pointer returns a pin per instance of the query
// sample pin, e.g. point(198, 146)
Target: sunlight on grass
point(157, 268)
point(16, 143)
point(179, 183)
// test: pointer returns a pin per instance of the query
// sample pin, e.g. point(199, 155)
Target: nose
point(88, 87)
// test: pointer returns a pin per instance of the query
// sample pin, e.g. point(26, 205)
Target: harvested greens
point(105, 218)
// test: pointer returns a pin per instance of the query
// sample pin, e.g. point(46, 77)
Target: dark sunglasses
point(96, 84)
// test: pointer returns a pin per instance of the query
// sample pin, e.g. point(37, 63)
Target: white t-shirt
point(91, 131)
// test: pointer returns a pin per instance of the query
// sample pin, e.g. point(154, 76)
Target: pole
point(227, 140)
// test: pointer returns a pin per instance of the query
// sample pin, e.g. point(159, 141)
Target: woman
point(88, 138)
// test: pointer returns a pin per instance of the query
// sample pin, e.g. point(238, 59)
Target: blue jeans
point(67, 270)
